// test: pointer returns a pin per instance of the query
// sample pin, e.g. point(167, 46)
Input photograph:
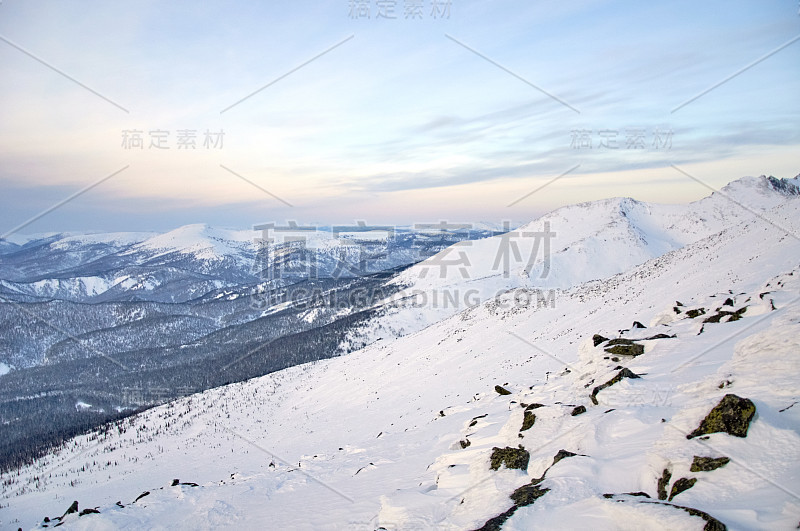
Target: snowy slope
point(373, 438)
point(587, 241)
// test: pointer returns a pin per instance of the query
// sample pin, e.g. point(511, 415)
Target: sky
point(127, 116)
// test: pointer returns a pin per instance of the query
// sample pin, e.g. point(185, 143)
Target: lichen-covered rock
point(624, 373)
point(597, 339)
point(578, 411)
point(527, 494)
point(732, 416)
point(733, 316)
point(633, 349)
point(528, 421)
point(691, 314)
point(707, 464)
point(680, 486)
point(501, 390)
point(514, 458)
point(663, 482)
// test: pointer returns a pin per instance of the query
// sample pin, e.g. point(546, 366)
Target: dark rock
point(620, 341)
point(528, 421)
point(659, 336)
point(527, 494)
point(733, 316)
point(707, 464)
point(464, 443)
point(514, 458)
point(142, 495)
point(501, 390)
point(72, 509)
point(626, 350)
point(663, 482)
point(578, 411)
point(89, 511)
point(176, 482)
point(637, 324)
point(533, 406)
point(597, 339)
point(624, 373)
point(680, 486)
point(562, 454)
point(732, 416)
point(496, 523)
point(728, 302)
point(691, 314)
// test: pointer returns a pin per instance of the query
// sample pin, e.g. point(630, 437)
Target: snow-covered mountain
point(567, 247)
point(577, 414)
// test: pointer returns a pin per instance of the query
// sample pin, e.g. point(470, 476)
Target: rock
point(597, 339)
point(626, 350)
point(728, 302)
point(464, 443)
point(514, 458)
point(680, 486)
point(527, 494)
point(578, 411)
point(637, 324)
point(501, 390)
point(707, 464)
point(72, 509)
point(528, 421)
point(659, 336)
point(176, 482)
point(663, 482)
point(533, 406)
point(691, 314)
point(732, 416)
point(733, 316)
point(89, 511)
point(624, 373)
point(142, 495)
point(562, 454)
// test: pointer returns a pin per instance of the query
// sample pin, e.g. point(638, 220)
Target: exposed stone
point(527, 494)
point(528, 421)
point(562, 454)
point(597, 339)
point(626, 350)
point(501, 390)
point(680, 486)
point(578, 411)
point(732, 416)
point(707, 464)
point(514, 458)
point(663, 482)
point(624, 373)
point(464, 443)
